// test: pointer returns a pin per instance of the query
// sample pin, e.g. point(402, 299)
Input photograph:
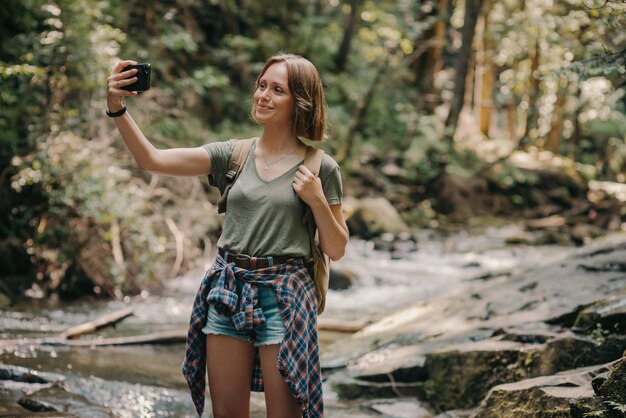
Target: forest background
point(451, 110)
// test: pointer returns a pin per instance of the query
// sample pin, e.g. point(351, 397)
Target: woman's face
point(273, 102)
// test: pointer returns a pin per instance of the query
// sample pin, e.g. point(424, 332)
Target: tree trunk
point(486, 78)
point(348, 32)
point(511, 117)
point(359, 114)
point(470, 78)
point(430, 62)
point(532, 115)
point(556, 124)
point(472, 10)
point(574, 140)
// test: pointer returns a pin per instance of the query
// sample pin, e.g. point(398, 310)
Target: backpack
point(317, 263)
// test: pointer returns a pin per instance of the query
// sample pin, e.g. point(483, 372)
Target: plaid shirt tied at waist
point(298, 355)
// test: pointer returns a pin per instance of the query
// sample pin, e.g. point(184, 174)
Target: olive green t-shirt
point(265, 218)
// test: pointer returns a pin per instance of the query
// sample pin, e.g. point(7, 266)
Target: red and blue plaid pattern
point(298, 356)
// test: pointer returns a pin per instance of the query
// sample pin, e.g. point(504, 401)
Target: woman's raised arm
point(171, 162)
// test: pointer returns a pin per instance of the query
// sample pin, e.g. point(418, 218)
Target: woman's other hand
point(115, 82)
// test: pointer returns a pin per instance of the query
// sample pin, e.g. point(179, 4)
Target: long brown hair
point(309, 105)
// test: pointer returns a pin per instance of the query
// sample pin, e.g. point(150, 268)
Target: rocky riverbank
point(543, 342)
point(463, 324)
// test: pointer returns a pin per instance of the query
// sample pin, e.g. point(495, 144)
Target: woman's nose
point(264, 95)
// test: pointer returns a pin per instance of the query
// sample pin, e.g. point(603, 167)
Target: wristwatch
point(118, 113)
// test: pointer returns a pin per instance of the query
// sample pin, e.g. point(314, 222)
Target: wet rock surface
point(57, 399)
point(402, 408)
point(30, 393)
point(24, 375)
point(501, 342)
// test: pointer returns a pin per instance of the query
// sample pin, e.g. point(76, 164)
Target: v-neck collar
point(256, 171)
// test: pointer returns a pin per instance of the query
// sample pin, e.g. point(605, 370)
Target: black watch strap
point(118, 113)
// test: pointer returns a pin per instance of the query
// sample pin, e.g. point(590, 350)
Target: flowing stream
point(146, 381)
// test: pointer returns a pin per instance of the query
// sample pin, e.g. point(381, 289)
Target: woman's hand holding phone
point(126, 79)
point(117, 80)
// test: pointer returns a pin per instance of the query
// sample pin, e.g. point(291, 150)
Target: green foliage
point(599, 334)
point(102, 222)
point(427, 153)
point(619, 407)
point(67, 189)
point(592, 414)
point(87, 193)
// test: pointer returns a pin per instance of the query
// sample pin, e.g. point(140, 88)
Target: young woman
point(253, 322)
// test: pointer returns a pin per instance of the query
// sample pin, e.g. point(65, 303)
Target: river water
point(146, 381)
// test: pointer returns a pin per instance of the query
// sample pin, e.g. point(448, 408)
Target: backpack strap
point(312, 161)
point(238, 158)
point(317, 264)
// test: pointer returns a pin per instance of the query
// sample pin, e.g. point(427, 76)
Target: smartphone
point(143, 77)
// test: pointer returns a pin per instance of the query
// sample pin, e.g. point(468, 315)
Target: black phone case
point(143, 77)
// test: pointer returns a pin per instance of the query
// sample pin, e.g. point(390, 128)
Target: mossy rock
point(586, 408)
point(608, 316)
point(614, 388)
point(460, 378)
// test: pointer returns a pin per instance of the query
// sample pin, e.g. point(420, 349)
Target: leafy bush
point(104, 224)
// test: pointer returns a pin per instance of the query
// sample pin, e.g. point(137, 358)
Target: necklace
point(268, 165)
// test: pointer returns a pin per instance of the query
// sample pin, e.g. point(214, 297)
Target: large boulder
point(374, 216)
point(341, 278)
point(614, 388)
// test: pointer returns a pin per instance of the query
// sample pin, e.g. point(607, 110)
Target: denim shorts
point(271, 332)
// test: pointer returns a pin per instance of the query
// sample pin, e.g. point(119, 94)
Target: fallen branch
point(93, 326)
point(164, 337)
point(549, 222)
point(178, 236)
point(339, 325)
point(22, 341)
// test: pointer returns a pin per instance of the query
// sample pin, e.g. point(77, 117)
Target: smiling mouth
point(264, 107)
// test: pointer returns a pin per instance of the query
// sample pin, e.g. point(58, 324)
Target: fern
point(617, 406)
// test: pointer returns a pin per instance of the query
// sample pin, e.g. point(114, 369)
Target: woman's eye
point(278, 90)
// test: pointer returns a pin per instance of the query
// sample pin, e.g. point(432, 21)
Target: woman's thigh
point(230, 362)
point(279, 401)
